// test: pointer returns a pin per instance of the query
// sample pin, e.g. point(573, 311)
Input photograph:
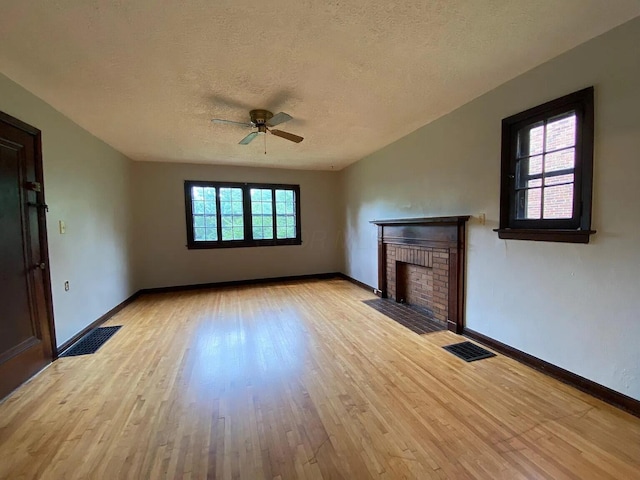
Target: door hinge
point(39, 205)
point(34, 186)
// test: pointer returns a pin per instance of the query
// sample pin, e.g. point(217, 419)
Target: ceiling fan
point(263, 120)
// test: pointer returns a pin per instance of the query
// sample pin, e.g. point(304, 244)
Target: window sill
point(564, 236)
point(242, 243)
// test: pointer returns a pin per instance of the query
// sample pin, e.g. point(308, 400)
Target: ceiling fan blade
point(279, 118)
point(231, 122)
point(287, 135)
point(247, 140)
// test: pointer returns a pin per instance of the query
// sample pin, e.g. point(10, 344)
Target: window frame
point(248, 240)
point(578, 228)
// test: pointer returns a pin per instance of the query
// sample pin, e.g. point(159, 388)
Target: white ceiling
point(146, 76)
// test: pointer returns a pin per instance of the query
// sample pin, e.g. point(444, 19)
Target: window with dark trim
point(547, 171)
point(224, 214)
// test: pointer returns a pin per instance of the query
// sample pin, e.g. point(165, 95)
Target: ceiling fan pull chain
point(265, 143)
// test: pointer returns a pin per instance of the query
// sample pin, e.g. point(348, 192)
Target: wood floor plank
point(300, 380)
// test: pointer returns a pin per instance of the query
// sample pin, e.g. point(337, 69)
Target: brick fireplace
point(421, 262)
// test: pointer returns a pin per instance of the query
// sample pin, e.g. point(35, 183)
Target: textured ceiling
point(146, 76)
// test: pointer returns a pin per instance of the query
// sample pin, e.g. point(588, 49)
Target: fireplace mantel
point(445, 234)
point(455, 220)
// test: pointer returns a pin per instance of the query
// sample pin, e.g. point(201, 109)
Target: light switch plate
point(63, 227)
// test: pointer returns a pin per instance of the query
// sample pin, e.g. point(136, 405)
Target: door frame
point(42, 223)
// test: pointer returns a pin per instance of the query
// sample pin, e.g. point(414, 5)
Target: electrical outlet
point(66, 286)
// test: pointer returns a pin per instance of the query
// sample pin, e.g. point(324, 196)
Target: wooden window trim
point(574, 230)
point(246, 215)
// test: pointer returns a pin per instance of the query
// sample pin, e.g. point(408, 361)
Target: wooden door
point(27, 341)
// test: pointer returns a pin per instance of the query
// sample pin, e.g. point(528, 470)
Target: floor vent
point(91, 342)
point(468, 351)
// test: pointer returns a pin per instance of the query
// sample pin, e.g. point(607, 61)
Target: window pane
point(268, 232)
point(236, 208)
point(558, 201)
point(232, 209)
point(535, 165)
point(203, 202)
point(562, 160)
point(536, 135)
point(530, 140)
point(526, 168)
point(210, 194)
point(225, 194)
point(557, 179)
point(261, 211)
point(211, 234)
point(211, 221)
point(227, 233)
point(198, 207)
point(529, 204)
point(197, 193)
point(561, 132)
point(286, 225)
point(285, 214)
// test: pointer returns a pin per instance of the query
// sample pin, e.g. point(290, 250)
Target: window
point(241, 214)
point(547, 171)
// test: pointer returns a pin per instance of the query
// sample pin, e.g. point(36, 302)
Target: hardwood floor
point(300, 380)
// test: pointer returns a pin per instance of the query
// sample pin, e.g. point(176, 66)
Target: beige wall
point(87, 186)
point(162, 258)
point(576, 306)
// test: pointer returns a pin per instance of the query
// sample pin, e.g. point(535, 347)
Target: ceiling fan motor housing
point(260, 117)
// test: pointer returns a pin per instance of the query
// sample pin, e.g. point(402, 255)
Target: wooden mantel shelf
point(454, 220)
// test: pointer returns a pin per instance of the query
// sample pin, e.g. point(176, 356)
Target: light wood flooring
point(300, 380)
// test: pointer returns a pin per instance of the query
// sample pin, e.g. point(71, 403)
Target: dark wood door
point(26, 318)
